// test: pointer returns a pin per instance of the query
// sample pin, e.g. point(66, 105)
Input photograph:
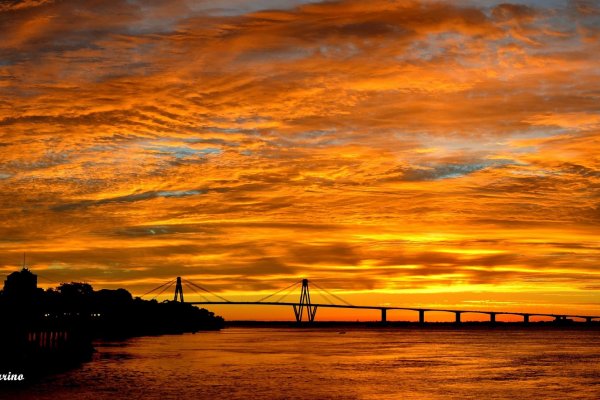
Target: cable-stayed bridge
point(306, 310)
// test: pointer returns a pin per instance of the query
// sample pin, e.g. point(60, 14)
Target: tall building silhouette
point(20, 285)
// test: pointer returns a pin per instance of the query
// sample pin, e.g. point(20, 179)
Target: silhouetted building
point(20, 285)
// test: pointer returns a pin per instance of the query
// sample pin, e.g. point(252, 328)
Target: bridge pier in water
point(457, 320)
point(492, 317)
point(422, 316)
point(384, 315)
point(526, 318)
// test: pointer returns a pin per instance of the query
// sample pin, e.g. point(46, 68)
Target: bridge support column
point(178, 290)
point(457, 320)
point(421, 316)
point(305, 303)
point(526, 318)
point(493, 318)
point(299, 311)
point(384, 315)
point(588, 319)
point(313, 313)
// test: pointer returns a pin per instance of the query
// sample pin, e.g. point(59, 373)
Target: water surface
point(270, 363)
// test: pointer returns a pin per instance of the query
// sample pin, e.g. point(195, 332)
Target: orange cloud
point(438, 150)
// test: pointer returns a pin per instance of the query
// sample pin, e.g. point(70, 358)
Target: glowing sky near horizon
point(398, 152)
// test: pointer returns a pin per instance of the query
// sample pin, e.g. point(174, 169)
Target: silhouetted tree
point(75, 289)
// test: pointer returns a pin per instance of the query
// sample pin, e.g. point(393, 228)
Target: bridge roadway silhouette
point(305, 304)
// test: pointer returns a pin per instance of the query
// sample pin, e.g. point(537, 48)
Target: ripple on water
point(314, 364)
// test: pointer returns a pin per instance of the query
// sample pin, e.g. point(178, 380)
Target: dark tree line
point(45, 330)
point(103, 313)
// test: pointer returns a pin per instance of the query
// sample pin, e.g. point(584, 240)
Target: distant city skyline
point(398, 152)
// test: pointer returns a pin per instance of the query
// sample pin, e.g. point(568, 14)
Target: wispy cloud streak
point(393, 147)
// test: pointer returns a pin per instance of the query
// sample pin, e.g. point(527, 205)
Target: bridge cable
point(331, 294)
point(206, 290)
point(286, 293)
point(156, 288)
point(193, 285)
point(162, 291)
point(190, 287)
point(197, 292)
point(279, 291)
point(324, 295)
point(159, 293)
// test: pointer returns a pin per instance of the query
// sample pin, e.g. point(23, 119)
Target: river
point(287, 363)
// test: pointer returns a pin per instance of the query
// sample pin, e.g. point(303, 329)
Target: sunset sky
point(411, 153)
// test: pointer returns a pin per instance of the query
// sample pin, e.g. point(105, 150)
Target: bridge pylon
point(178, 290)
point(311, 310)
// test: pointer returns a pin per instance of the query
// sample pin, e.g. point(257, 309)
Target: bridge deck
point(264, 303)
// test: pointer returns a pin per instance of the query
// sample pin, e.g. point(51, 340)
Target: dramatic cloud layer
point(402, 152)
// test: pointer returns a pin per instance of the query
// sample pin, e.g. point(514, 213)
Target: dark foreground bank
point(45, 331)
